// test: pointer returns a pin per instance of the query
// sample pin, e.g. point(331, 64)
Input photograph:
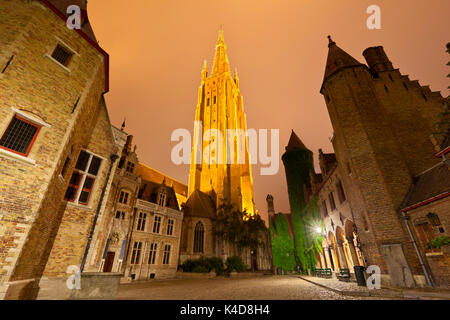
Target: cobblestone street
point(255, 288)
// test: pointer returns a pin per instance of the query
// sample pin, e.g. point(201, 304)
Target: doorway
point(109, 261)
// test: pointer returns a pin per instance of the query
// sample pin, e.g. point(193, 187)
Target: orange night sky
point(157, 50)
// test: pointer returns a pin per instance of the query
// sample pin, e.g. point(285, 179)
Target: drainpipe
point(113, 159)
point(130, 236)
point(422, 264)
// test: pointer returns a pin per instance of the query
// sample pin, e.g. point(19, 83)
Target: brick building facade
point(56, 143)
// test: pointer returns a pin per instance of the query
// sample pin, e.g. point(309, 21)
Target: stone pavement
point(352, 289)
point(221, 288)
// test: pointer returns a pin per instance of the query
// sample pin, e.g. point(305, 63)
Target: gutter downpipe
point(416, 248)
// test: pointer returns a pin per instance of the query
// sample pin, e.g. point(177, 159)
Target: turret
point(377, 59)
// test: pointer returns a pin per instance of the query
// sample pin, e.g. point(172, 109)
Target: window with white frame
point(170, 224)
point(152, 253)
point(136, 253)
point(83, 178)
point(162, 200)
point(124, 196)
point(157, 224)
point(166, 257)
point(141, 221)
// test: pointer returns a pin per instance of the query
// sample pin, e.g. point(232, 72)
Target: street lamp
point(318, 230)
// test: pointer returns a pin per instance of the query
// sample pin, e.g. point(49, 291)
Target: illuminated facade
point(220, 108)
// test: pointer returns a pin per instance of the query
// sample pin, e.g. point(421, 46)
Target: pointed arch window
point(199, 237)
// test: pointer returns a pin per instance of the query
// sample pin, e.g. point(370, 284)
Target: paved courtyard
point(255, 288)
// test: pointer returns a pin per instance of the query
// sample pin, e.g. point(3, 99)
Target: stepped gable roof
point(62, 5)
point(153, 175)
point(429, 186)
point(200, 205)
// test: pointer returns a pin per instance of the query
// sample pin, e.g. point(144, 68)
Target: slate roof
point(295, 142)
point(153, 175)
point(200, 205)
point(338, 59)
point(431, 183)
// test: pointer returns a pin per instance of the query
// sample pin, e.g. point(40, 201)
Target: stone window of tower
point(124, 196)
point(207, 102)
point(120, 215)
point(152, 253)
point(162, 199)
point(324, 207)
point(170, 224)
point(130, 167)
point(157, 224)
point(332, 203)
point(215, 99)
point(83, 178)
point(20, 136)
point(62, 55)
point(341, 194)
point(199, 237)
point(136, 253)
point(121, 162)
point(141, 221)
point(166, 257)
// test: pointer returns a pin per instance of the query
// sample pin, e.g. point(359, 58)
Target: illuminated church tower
point(220, 107)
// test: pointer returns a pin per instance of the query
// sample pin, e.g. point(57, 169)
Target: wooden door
point(109, 261)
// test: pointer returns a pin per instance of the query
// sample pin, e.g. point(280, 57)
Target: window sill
point(76, 205)
point(430, 254)
point(67, 70)
point(17, 157)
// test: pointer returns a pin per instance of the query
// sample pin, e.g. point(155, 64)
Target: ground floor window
point(166, 258)
point(152, 253)
point(136, 254)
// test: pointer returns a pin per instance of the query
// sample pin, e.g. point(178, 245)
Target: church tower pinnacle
point(220, 108)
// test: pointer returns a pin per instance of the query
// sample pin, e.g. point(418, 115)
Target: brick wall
point(32, 188)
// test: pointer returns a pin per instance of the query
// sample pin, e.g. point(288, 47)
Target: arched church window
point(199, 237)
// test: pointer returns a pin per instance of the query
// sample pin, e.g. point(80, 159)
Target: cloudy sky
point(279, 47)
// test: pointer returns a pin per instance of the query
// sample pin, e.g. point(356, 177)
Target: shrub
point(235, 263)
point(203, 265)
point(217, 264)
point(438, 243)
point(200, 269)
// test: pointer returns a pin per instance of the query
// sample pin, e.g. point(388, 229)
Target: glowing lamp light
point(319, 230)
